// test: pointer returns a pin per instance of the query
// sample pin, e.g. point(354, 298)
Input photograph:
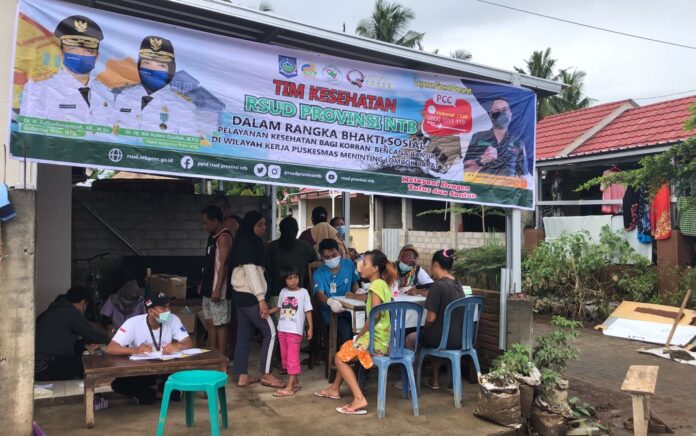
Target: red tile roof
point(556, 132)
point(654, 124)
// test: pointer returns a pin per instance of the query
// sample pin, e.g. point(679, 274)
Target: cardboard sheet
point(645, 331)
point(627, 310)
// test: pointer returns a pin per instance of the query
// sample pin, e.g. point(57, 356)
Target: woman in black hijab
point(250, 267)
point(288, 251)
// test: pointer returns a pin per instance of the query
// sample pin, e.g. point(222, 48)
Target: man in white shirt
point(158, 330)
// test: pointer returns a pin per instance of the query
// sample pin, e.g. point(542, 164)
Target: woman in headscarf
point(124, 304)
point(250, 267)
point(288, 251)
point(323, 231)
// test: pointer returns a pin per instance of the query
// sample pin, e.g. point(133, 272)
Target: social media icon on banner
point(331, 177)
point(260, 170)
point(115, 155)
point(274, 171)
point(187, 162)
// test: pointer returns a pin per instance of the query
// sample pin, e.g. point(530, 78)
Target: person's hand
point(263, 306)
point(171, 348)
point(351, 295)
point(335, 305)
point(489, 155)
point(412, 291)
point(143, 349)
point(309, 334)
point(215, 296)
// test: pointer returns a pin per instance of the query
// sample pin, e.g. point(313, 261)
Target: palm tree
point(571, 96)
point(540, 64)
point(389, 23)
point(265, 7)
point(461, 54)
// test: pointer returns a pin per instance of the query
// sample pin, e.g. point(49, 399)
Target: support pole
point(346, 216)
point(274, 212)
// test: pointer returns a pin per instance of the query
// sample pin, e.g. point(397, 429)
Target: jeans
point(248, 320)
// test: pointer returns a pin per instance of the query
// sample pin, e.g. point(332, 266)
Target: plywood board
point(627, 310)
point(651, 332)
point(640, 379)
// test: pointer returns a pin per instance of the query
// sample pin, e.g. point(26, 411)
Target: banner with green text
point(101, 90)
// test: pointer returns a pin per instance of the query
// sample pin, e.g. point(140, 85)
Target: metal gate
point(390, 242)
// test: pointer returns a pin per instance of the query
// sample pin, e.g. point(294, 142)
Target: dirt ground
point(254, 411)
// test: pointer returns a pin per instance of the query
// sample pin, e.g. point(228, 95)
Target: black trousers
point(55, 368)
point(140, 387)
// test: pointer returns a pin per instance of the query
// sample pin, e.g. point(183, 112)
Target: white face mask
point(333, 263)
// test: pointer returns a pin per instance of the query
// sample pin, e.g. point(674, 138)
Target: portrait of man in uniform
point(67, 94)
point(497, 151)
point(153, 105)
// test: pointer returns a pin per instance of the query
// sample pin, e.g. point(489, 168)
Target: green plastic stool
point(211, 382)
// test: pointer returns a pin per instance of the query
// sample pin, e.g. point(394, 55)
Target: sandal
point(324, 394)
point(250, 381)
point(277, 385)
point(347, 410)
point(283, 393)
point(428, 384)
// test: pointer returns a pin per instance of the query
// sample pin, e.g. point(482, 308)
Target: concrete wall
point(17, 244)
point(157, 224)
point(53, 233)
point(359, 209)
point(391, 209)
point(428, 243)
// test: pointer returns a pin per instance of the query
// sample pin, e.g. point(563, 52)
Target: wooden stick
point(676, 320)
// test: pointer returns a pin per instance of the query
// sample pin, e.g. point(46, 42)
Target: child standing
point(294, 306)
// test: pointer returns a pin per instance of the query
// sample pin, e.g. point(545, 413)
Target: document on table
point(156, 355)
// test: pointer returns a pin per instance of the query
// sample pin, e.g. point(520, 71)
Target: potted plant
point(517, 360)
point(499, 398)
point(551, 355)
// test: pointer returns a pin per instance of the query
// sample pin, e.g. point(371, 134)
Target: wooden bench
point(640, 382)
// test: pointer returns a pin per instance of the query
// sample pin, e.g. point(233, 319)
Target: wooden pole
point(676, 320)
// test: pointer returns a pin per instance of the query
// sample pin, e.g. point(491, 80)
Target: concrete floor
point(254, 410)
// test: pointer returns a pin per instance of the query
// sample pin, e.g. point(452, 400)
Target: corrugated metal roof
point(223, 18)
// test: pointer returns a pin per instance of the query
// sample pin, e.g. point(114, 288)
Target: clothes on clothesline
point(615, 191)
point(644, 229)
point(660, 214)
point(630, 209)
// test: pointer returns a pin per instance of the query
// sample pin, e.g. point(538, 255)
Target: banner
point(102, 90)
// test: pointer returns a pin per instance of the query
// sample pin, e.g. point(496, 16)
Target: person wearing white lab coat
point(67, 95)
point(153, 105)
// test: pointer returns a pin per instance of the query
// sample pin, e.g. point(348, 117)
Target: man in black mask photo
point(497, 151)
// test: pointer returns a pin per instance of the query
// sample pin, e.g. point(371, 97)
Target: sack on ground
point(499, 404)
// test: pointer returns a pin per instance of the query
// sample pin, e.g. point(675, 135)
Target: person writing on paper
point(444, 290)
point(157, 331)
point(413, 279)
point(374, 269)
point(62, 334)
point(337, 277)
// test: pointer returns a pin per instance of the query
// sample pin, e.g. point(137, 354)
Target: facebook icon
point(187, 162)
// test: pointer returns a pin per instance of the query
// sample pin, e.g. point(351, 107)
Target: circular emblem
point(115, 155)
point(187, 162)
point(331, 177)
point(331, 74)
point(163, 126)
point(356, 78)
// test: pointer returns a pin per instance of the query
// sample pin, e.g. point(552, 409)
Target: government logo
point(287, 66)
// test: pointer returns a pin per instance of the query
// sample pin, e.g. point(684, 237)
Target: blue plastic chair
point(397, 353)
point(470, 305)
point(211, 382)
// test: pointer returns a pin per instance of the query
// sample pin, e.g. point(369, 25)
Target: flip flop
point(282, 393)
point(323, 394)
point(277, 385)
point(250, 381)
point(429, 385)
point(347, 410)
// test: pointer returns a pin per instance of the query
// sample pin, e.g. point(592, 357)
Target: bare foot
point(331, 391)
point(245, 380)
point(358, 403)
point(272, 381)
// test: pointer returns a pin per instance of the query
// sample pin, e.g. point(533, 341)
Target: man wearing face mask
point(340, 226)
point(62, 334)
point(154, 105)
point(67, 95)
point(158, 330)
point(413, 279)
point(497, 151)
point(337, 277)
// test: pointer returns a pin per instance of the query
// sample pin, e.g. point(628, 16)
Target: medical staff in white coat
point(66, 95)
point(154, 105)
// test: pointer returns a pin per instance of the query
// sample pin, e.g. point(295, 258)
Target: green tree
point(540, 64)
point(389, 23)
point(571, 96)
point(461, 54)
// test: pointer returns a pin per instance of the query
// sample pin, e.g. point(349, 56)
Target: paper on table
point(193, 351)
point(156, 355)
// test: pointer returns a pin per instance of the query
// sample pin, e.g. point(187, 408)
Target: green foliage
point(501, 376)
point(553, 351)
point(481, 264)
point(570, 269)
point(515, 360)
point(676, 166)
point(389, 23)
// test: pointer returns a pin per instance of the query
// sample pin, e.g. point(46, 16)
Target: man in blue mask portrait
point(497, 151)
point(67, 94)
point(154, 104)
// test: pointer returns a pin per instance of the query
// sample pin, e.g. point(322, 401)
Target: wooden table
point(353, 306)
point(104, 368)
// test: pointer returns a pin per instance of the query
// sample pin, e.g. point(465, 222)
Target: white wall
point(53, 233)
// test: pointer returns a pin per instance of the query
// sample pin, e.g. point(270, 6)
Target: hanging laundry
point(630, 209)
point(615, 191)
point(687, 215)
point(7, 211)
point(644, 232)
point(660, 214)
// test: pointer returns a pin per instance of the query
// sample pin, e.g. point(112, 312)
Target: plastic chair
point(469, 305)
point(397, 353)
point(212, 382)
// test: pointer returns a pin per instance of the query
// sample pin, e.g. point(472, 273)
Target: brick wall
point(428, 243)
point(157, 224)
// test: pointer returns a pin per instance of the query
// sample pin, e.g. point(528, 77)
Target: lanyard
point(152, 335)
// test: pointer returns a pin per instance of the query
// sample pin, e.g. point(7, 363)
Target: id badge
point(332, 288)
